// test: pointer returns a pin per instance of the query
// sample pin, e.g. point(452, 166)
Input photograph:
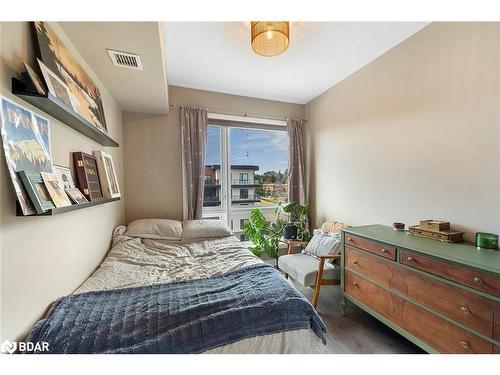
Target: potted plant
point(298, 224)
point(264, 234)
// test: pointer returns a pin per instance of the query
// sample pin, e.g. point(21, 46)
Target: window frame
point(225, 123)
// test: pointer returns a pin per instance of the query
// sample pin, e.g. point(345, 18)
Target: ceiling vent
point(125, 59)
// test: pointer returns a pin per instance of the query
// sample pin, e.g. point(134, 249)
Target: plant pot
point(290, 232)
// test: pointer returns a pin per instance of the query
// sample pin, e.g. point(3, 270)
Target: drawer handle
point(465, 345)
point(350, 239)
point(355, 262)
point(410, 259)
point(355, 283)
point(383, 251)
point(478, 281)
point(465, 310)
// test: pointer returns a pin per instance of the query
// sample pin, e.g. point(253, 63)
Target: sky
point(267, 149)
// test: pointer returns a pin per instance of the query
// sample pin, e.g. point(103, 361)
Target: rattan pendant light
point(270, 38)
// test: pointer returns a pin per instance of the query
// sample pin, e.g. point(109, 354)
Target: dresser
point(443, 297)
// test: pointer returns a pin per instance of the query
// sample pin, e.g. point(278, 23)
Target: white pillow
point(323, 244)
point(194, 229)
point(157, 229)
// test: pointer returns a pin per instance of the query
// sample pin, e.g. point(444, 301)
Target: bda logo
point(8, 347)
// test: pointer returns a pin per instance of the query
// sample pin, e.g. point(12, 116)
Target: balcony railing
point(212, 182)
point(211, 199)
point(244, 182)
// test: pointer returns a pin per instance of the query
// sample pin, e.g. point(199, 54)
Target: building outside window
point(245, 168)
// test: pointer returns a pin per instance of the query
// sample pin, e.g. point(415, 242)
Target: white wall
point(413, 135)
point(43, 258)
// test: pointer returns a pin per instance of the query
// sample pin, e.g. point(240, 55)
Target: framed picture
point(54, 186)
point(87, 175)
point(107, 175)
point(26, 145)
point(62, 62)
point(37, 191)
point(76, 196)
point(56, 86)
point(34, 80)
point(65, 174)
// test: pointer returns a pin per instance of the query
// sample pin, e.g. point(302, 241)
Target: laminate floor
point(358, 331)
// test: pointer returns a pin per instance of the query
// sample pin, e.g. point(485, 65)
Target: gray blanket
point(186, 317)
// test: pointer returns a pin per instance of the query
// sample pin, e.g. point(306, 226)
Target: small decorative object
point(87, 175)
point(55, 188)
point(446, 235)
point(37, 191)
point(33, 81)
point(56, 86)
point(398, 226)
point(487, 240)
point(434, 225)
point(77, 196)
point(107, 175)
point(65, 174)
point(61, 62)
point(26, 146)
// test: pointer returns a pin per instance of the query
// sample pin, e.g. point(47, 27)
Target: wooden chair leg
point(317, 286)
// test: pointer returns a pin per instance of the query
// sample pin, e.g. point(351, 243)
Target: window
point(243, 194)
point(245, 168)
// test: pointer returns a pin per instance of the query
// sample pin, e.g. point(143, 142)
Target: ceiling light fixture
point(270, 38)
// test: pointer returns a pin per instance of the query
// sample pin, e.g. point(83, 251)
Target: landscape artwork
point(26, 145)
point(56, 56)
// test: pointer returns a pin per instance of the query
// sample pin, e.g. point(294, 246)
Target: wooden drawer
point(443, 336)
point(455, 303)
point(378, 248)
point(375, 268)
point(438, 333)
point(385, 303)
point(466, 276)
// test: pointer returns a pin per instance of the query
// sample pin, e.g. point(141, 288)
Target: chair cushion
point(303, 268)
point(323, 244)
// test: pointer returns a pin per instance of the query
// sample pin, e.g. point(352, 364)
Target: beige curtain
point(296, 161)
point(194, 139)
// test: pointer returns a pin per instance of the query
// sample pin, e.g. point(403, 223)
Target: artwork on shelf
point(65, 174)
point(107, 175)
point(61, 61)
point(55, 187)
point(34, 80)
point(56, 86)
point(26, 145)
point(87, 175)
point(37, 191)
point(77, 196)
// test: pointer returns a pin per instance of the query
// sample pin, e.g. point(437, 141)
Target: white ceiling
point(217, 56)
point(134, 90)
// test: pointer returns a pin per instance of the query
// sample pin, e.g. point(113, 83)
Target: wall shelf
point(56, 108)
point(73, 207)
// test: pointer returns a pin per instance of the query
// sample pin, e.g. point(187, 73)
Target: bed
point(248, 305)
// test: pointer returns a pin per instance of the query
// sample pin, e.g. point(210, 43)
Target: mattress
point(134, 262)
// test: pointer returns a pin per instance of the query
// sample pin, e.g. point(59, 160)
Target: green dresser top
point(463, 253)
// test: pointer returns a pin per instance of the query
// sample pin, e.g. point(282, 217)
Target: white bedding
point(138, 262)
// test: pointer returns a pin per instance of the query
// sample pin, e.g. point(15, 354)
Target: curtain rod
point(245, 114)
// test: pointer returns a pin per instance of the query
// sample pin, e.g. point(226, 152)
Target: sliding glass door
point(246, 168)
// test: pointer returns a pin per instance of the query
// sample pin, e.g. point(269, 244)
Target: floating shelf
point(73, 207)
point(56, 108)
